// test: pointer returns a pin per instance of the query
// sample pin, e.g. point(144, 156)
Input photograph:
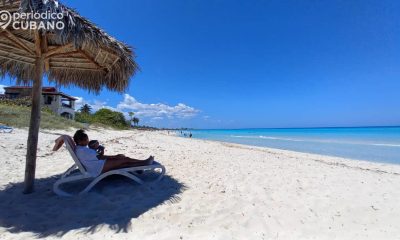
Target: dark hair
point(92, 143)
point(80, 135)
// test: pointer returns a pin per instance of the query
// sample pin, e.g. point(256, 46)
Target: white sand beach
point(212, 190)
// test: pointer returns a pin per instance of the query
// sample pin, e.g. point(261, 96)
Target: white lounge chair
point(5, 129)
point(82, 174)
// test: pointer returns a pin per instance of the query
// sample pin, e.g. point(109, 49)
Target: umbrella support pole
point(34, 125)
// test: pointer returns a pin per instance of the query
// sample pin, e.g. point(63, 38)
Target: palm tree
point(86, 109)
point(135, 121)
point(131, 114)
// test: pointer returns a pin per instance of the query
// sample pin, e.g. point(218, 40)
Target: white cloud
point(156, 114)
point(157, 118)
point(156, 111)
point(2, 91)
point(95, 104)
point(79, 103)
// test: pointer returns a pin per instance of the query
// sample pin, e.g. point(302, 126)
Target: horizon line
point(394, 126)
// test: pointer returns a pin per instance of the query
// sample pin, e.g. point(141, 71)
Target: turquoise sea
point(377, 144)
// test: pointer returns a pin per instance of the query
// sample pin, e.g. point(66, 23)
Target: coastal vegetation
point(133, 119)
point(86, 108)
point(103, 116)
point(18, 115)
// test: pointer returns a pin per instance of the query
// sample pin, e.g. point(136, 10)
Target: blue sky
point(247, 64)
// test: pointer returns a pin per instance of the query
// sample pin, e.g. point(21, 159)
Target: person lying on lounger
point(96, 164)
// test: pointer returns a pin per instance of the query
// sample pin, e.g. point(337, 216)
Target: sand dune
point(212, 190)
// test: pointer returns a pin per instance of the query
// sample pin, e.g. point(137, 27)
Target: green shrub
point(23, 102)
point(83, 117)
point(104, 117)
point(110, 118)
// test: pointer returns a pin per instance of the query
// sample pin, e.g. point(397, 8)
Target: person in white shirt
point(96, 164)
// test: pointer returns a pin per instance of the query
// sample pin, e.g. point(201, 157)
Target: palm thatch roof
point(81, 54)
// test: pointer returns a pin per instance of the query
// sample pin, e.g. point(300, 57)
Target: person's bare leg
point(121, 157)
point(130, 162)
point(124, 162)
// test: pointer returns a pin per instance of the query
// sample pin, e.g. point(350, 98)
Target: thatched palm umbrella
point(80, 54)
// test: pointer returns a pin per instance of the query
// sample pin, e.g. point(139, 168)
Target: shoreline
point(212, 190)
point(326, 159)
point(379, 145)
point(283, 128)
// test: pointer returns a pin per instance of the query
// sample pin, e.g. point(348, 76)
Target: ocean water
point(377, 144)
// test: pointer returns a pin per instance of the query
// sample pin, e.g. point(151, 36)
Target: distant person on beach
point(190, 135)
point(96, 164)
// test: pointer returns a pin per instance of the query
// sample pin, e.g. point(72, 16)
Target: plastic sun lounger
point(5, 129)
point(82, 174)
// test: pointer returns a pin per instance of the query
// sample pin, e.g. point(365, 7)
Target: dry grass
point(17, 116)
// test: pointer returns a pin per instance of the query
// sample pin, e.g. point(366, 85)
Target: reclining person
point(96, 164)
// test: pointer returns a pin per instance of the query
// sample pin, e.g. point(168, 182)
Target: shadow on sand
point(114, 202)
